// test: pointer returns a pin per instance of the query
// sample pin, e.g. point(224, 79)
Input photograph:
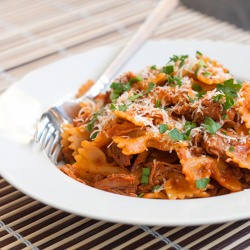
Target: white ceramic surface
point(27, 168)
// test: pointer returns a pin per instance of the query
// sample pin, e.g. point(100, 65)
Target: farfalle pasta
point(178, 131)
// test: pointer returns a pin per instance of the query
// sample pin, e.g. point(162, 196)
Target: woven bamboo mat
point(38, 32)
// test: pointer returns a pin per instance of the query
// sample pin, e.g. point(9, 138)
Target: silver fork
point(49, 129)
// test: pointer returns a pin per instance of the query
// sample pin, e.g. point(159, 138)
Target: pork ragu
point(173, 132)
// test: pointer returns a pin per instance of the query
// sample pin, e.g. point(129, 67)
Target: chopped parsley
point(196, 87)
point(229, 87)
point(168, 69)
point(226, 100)
point(224, 116)
point(94, 135)
point(135, 79)
point(175, 80)
point(141, 195)
point(119, 87)
point(192, 100)
point(135, 96)
point(229, 102)
point(178, 81)
point(198, 54)
point(90, 125)
point(112, 106)
point(123, 107)
point(155, 188)
point(211, 126)
point(153, 67)
point(231, 148)
point(145, 175)
point(180, 58)
point(218, 97)
point(206, 74)
point(200, 64)
point(200, 93)
point(158, 103)
point(196, 71)
point(163, 128)
point(151, 86)
point(188, 127)
point(175, 135)
point(202, 183)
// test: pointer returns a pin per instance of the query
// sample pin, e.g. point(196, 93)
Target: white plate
point(27, 168)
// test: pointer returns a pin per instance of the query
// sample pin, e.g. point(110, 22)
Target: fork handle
point(163, 8)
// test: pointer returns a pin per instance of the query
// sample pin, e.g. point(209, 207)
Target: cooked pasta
point(173, 132)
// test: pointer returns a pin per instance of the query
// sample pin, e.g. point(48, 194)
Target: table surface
point(35, 33)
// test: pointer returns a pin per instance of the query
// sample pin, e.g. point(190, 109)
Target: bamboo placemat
point(37, 32)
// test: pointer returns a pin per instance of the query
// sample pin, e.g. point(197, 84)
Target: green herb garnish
point(188, 127)
point(94, 135)
point(155, 188)
point(202, 183)
point(200, 94)
point(151, 86)
point(163, 128)
point(135, 96)
point(168, 69)
point(135, 79)
point(90, 125)
point(196, 87)
point(153, 67)
point(123, 107)
point(158, 103)
point(229, 87)
point(178, 80)
point(229, 102)
point(206, 73)
point(192, 100)
point(175, 135)
point(231, 148)
point(145, 175)
point(119, 87)
point(211, 126)
point(112, 106)
point(196, 71)
point(218, 98)
point(180, 58)
point(198, 54)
